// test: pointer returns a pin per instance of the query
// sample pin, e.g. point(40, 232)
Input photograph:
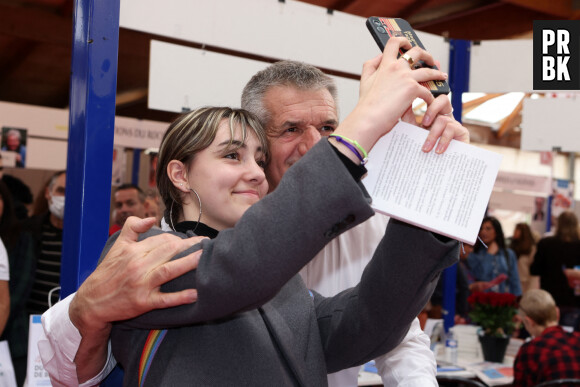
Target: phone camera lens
point(381, 30)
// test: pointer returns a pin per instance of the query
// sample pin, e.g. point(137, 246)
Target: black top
point(552, 256)
point(190, 227)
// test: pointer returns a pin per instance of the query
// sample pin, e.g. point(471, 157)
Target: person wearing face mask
point(46, 230)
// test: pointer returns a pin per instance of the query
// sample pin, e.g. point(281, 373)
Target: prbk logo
point(557, 55)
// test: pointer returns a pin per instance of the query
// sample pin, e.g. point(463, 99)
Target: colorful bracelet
point(357, 149)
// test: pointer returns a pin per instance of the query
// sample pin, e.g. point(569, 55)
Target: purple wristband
point(363, 160)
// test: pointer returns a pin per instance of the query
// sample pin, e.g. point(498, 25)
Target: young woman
point(554, 255)
point(493, 259)
point(524, 245)
point(254, 322)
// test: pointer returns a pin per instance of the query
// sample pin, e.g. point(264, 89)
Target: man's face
point(127, 204)
point(57, 188)
point(12, 143)
point(299, 118)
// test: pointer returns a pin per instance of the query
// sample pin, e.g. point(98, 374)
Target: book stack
point(468, 346)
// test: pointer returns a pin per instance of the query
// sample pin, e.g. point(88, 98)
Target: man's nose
point(310, 137)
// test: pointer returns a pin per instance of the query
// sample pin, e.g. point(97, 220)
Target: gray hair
point(14, 133)
point(53, 178)
point(284, 73)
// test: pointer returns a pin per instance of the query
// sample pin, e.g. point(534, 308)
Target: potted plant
point(494, 312)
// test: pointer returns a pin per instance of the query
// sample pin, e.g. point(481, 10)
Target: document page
point(444, 193)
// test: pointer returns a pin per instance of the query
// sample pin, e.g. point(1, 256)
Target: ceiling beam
point(35, 25)
point(560, 8)
point(511, 120)
point(494, 21)
point(434, 13)
point(470, 105)
point(129, 97)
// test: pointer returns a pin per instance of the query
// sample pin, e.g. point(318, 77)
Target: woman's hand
point(388, 88)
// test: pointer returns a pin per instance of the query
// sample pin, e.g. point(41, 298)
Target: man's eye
point(326, 130)
point(291, 130)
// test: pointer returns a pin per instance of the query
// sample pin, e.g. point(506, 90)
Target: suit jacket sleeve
point(245, 266)
point(372, 318)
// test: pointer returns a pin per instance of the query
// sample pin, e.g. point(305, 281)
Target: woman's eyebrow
point(235, 143)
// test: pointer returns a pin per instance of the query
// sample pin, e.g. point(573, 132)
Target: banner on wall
point(509, 181)
point(138, 134)
point(44, 131)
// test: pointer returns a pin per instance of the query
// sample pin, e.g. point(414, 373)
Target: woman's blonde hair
point(191, 133)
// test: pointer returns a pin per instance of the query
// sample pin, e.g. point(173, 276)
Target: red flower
point(493, 311)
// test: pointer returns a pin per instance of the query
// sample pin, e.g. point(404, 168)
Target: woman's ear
point(178, 175)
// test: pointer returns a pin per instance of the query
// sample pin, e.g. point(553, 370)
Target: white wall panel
point(46, 154)
point(290, 30)
point(37, 120)
point(549, 123)
point(188, 77)
point(499, 66)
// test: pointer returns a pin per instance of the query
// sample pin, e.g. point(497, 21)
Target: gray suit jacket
point(255, 323)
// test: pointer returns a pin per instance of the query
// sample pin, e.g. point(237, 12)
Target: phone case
point(382, 28)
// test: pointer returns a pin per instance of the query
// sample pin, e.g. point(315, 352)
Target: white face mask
point(56, 206)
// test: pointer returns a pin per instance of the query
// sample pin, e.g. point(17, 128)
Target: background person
point(553, 353)
point(21, 257)
point(21, 195)
point(555, 254)
point(4, 269)
point(128, 200)
point(486, 264)
point(523, 243)
point(46, 231)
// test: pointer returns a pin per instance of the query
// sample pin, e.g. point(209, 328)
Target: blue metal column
point(90, 146)
point(459, 61)
point(136, 166)
point(459, 58)
point(90, 143)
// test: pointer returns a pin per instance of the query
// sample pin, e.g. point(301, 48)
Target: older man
point(296, 103)
point(296, 118)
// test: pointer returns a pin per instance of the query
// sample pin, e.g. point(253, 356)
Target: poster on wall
point(14, 140)
point(119, 161)
point(540, 215)
point(562, 198)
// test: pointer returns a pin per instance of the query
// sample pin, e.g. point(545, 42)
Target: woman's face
point(227, 180)
point(487, 233)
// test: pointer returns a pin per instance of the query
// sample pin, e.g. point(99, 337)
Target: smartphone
point(382, 28)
